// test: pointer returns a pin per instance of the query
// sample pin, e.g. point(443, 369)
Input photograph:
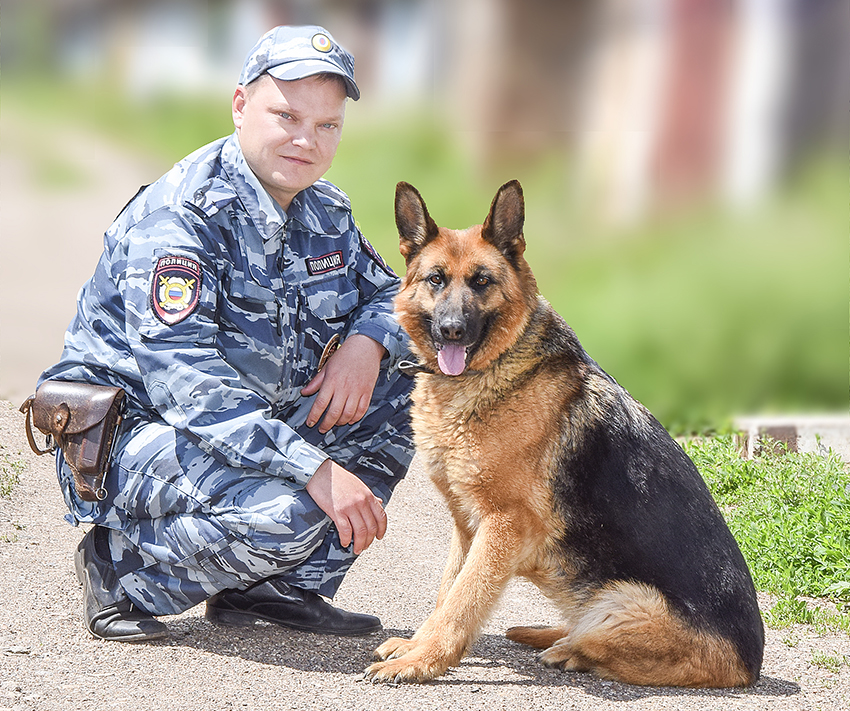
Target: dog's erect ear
point(503, 226)
point(415, 226)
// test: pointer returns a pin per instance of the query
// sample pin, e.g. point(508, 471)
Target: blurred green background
point(703, 312)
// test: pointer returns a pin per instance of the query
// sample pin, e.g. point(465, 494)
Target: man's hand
point(345, 384)
point(358, 514)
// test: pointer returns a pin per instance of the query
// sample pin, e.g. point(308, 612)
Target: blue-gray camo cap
point(289, 52)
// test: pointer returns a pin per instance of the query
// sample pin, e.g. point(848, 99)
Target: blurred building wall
point(693, 100)
point(655, 103)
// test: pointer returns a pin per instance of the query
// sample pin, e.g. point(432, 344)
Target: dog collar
point(408, 367)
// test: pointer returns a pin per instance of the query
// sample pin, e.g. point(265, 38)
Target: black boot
point(108, 612)
point(275, 601)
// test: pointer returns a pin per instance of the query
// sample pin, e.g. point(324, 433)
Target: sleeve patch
point(175, 289)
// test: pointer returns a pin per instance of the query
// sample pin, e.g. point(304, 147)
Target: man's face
point(289, 131)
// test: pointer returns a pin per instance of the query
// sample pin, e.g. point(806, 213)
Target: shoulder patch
point(175, 289)
point(377, 258)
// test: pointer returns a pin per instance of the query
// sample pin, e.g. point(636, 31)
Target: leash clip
point(408, 367)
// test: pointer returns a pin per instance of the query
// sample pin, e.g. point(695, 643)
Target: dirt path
point(49, 662)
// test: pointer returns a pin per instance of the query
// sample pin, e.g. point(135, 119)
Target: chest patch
point(326, 263)
point(176, 288)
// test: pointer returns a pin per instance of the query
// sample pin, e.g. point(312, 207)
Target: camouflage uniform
point(211, 307)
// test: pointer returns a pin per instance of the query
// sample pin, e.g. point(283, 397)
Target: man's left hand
point(345, 384)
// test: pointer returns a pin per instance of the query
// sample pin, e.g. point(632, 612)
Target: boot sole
point(235, 618)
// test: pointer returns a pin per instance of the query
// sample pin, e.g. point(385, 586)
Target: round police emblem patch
point(322, 43)
point(176, 288)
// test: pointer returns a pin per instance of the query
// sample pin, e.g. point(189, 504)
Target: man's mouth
point(451, 359)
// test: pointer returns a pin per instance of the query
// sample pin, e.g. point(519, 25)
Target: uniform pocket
point(331, 299)
point(246, 308)
point(248, 297)
point(324, 310)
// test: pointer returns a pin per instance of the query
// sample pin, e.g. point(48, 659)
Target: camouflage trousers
point(185, 526)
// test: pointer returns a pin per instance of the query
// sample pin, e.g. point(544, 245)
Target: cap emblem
point(322, 43)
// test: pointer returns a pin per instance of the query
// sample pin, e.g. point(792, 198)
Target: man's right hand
point(358, 514)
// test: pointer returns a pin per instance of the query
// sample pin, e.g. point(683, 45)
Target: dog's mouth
point(455, 356)
point(451, 358)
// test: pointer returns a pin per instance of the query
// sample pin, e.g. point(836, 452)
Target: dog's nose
point(452, 330)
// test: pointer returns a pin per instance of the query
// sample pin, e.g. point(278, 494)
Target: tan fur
point(489, 449)
point(626, 632)
point(463, 249)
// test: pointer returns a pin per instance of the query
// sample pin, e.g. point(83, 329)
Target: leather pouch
point(81, 419)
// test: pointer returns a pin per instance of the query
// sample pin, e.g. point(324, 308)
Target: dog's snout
point(452, 330)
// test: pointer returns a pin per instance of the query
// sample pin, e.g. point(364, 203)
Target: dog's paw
point(562, 655)
point(410, 668)
point(394, 647)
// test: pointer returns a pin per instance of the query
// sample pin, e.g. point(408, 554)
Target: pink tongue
point(452, 359)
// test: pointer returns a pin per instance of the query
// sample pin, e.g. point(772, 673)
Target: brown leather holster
point(81, 419)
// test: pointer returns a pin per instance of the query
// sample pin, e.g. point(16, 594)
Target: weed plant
point(10, 473)
point(790, 513)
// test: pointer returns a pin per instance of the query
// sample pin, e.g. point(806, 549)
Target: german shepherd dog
point(553, 472)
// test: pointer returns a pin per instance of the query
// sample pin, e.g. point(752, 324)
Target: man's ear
point(240, 96)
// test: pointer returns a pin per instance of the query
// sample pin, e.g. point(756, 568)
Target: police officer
point(256, 457)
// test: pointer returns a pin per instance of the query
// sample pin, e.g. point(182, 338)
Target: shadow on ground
point(277, 646)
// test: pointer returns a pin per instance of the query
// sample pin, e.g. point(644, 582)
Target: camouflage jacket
point(211, 307)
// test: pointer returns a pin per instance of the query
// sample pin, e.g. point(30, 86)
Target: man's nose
point(304, 138)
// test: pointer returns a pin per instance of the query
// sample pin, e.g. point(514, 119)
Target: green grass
point(702, 316)
point(165, 127)
point(830, 662)
point(790, 513)
point(10, 473)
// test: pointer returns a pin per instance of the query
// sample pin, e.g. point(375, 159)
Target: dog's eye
point(482, 280)
point(436, 279)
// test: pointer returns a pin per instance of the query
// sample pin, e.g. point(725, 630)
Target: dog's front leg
point(397, 646)
point(458, 551)
point(464, 605)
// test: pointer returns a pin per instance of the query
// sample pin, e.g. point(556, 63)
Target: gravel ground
point(49, 662)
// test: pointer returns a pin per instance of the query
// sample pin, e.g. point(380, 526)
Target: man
point(251, 468)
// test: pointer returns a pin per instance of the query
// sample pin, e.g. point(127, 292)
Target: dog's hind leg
point(627, 632)
point(537, 637)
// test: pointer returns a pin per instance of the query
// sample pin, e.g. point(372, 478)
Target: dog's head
point(467, 294)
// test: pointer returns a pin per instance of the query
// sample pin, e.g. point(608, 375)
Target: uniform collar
point(321, 208)
point(268, 217)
